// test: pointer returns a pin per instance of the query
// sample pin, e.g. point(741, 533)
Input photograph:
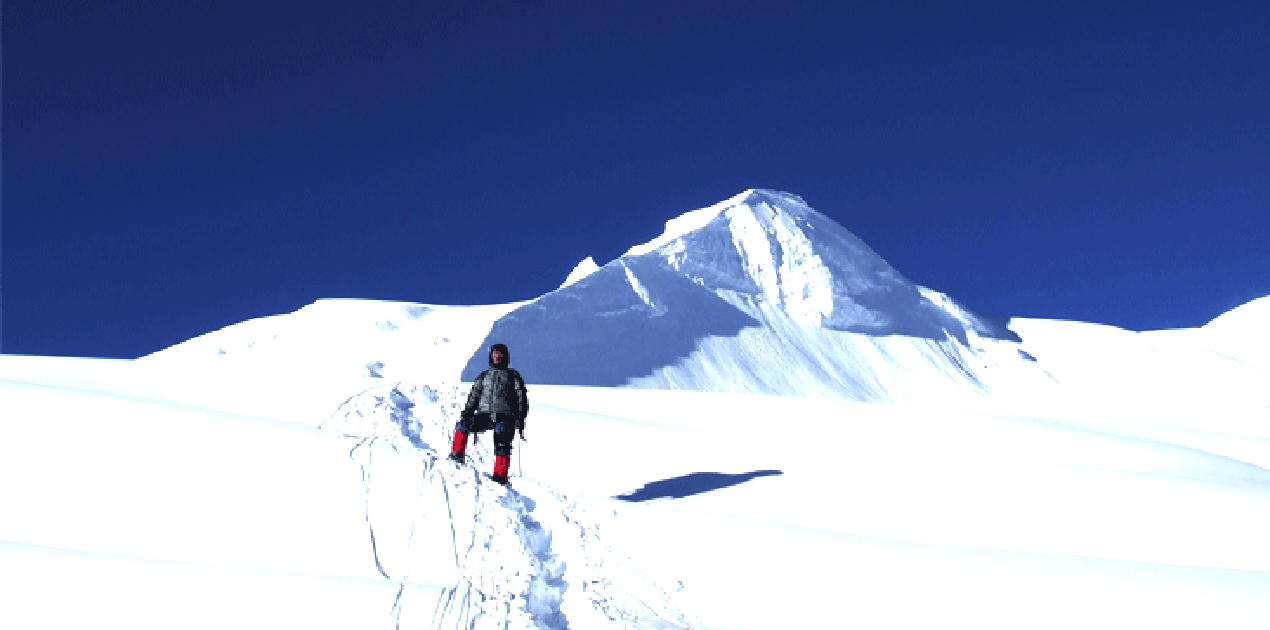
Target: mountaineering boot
point(459, 448)
point(501, 464)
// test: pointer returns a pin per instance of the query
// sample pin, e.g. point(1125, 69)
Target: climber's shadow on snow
point(690, 484)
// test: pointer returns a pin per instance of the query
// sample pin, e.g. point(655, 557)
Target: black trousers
point(504, 429)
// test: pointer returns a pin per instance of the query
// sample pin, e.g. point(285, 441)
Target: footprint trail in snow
point(523, 557)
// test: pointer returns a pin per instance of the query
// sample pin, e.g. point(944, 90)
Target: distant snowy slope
point(301, 365)
point(349, 336)
point(1222, 366)
point(1242, 334)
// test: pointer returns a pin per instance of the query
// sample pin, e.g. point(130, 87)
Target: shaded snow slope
point(591, 334)
point(783, 357)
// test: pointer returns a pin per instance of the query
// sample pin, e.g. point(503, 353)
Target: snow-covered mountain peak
point(759, 270)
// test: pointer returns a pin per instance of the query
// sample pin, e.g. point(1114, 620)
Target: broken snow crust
point(521, 556)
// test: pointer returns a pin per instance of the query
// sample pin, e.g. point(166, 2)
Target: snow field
point(891, 516)
point(755, 573)
point(120, 511)
point(154, 480)
point(57, 588)
point(1106, 370)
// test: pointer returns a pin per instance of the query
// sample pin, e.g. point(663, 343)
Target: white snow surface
point(289, 471)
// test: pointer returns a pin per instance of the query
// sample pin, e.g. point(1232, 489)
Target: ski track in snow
point(505, 565)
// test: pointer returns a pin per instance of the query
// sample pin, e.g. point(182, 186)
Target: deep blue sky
point(169, 170)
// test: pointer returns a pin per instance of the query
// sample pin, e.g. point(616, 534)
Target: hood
point(507, 356)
